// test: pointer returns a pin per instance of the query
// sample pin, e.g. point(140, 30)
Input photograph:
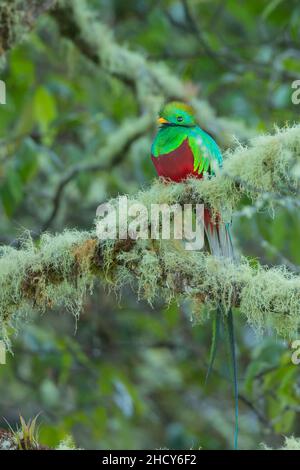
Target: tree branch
point(266, 166)
point(63, 267)
point(17, 17)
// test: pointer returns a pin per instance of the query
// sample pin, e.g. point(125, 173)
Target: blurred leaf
point(11, 192)
point(28, 161)
point(44, 108)
point(271, 6)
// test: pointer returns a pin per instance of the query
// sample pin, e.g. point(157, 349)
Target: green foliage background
point(128, 375)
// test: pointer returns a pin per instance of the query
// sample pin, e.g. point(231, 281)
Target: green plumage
point(205, 151)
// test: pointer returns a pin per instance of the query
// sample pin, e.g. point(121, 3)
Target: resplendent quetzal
point(181, 149)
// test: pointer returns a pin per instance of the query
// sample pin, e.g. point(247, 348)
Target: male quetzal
point(181, 149)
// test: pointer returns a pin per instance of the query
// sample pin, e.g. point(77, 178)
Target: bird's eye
point(179, 118)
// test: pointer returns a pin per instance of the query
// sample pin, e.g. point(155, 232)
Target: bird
point(181, 149)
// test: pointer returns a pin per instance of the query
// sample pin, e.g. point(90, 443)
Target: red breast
point(176, 165)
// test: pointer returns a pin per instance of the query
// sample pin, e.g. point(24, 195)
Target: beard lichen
point(272, 298)
point(290, 443)
point(265, 166)
point(58, 270)
point(266, 297)
point(50, 273)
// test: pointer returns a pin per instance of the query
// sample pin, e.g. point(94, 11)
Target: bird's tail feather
point(214, 342)
point(233, 362)
point(220, 244)
point(218, 236)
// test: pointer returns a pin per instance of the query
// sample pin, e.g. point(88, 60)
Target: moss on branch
point(268, 166)
point(17, 17)
point(60, 271)
point(290, 443)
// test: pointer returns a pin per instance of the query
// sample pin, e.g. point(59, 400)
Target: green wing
point(207, 155)
point(169, 140)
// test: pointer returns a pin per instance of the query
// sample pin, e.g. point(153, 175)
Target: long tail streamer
point(232, 352)
point(220, 244)
point(214, 342)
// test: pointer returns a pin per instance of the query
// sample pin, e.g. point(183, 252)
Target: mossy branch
point(17, 17)
point(269, 166)
point(60, 269)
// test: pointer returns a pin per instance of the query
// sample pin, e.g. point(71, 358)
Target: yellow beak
point(162, 120)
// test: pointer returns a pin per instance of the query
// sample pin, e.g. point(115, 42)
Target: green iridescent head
point(176, 113)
